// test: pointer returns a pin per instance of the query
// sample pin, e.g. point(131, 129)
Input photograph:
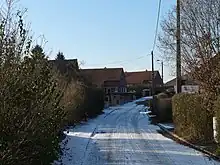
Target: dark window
point(183, 82)
point(117, 101)
point(119, 89)
point(106, 98)
point(109, 91)
point(112, 89)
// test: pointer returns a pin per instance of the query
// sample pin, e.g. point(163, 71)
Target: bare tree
point(200, 32)
point(14, 39)
point(200, 44)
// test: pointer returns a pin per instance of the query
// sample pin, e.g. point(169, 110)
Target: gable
point(101, 75)
point(140, 77)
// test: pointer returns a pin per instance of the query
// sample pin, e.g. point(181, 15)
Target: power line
point(120, 62)
point(157, 24)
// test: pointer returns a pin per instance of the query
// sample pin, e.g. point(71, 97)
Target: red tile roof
point(139, 77)
point(101, 75)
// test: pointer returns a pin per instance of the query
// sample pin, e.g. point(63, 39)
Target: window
point(119, 89)
point(109, 91)
point(106, 98)
point(112, 89)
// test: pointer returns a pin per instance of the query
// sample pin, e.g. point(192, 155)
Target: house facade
point(113, 83)
point(188, 85)
point(143, 79)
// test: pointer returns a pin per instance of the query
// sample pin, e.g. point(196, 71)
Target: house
point(143, 79)
point(188, 84)
point(112, 81)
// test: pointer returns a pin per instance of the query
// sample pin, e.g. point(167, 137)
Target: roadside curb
point(183, 141)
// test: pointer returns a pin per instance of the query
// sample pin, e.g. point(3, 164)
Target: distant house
point(143, 79)
point(112, 81)
point(188, 84)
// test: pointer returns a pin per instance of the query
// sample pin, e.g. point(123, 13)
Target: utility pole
point(162, 70)
point(178, 49)
point(152, 81)
point(152, 78)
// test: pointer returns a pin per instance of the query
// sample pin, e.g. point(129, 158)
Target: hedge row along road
point(124, 136)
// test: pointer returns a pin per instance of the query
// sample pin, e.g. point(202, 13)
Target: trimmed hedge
point(163, 108)
point(94, 103)
point(217, 114)
point(190, 118)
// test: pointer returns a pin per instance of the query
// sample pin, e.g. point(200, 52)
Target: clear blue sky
point(102, 33)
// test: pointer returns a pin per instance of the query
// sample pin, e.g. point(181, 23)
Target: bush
point(35, 103)
point(217, 114)
point(191, 118)
point(94, 103)
point(31, 117)
point(161, 95)
point(164, 109)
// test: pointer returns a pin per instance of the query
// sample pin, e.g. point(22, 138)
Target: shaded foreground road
point(124, 136)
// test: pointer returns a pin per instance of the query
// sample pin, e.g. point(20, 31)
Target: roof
point(100, 75)
point(139, 77)
point(186, 78)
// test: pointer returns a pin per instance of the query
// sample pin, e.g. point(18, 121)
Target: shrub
point(164, 109)
point(94, 103)
point(31, 117)
point(191, 118)
point(217, 114)
point(161, 95)
point(35, 104)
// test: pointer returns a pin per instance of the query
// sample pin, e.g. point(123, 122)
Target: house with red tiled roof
point(143, 79)
point(111, 80)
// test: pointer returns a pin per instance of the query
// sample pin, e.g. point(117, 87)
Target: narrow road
point(124, 136)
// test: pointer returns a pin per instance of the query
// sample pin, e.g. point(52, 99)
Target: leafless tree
point(14, 39)
point(200, 38)
point(200, 44)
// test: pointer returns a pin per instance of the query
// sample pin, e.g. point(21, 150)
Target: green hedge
point(94, 103)
point(217, 114)
point(191, 118)
point(32, 101)
point(30, 118)
point(163, 108)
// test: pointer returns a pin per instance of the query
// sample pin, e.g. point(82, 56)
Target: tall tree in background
point(60, 56)
point(200, 44)
point(38, 52)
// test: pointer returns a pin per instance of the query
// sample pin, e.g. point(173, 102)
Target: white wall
point(189, 88)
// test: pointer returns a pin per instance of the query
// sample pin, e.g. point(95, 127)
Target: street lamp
point(161, 68)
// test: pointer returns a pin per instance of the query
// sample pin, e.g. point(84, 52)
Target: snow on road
point(124, 136)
